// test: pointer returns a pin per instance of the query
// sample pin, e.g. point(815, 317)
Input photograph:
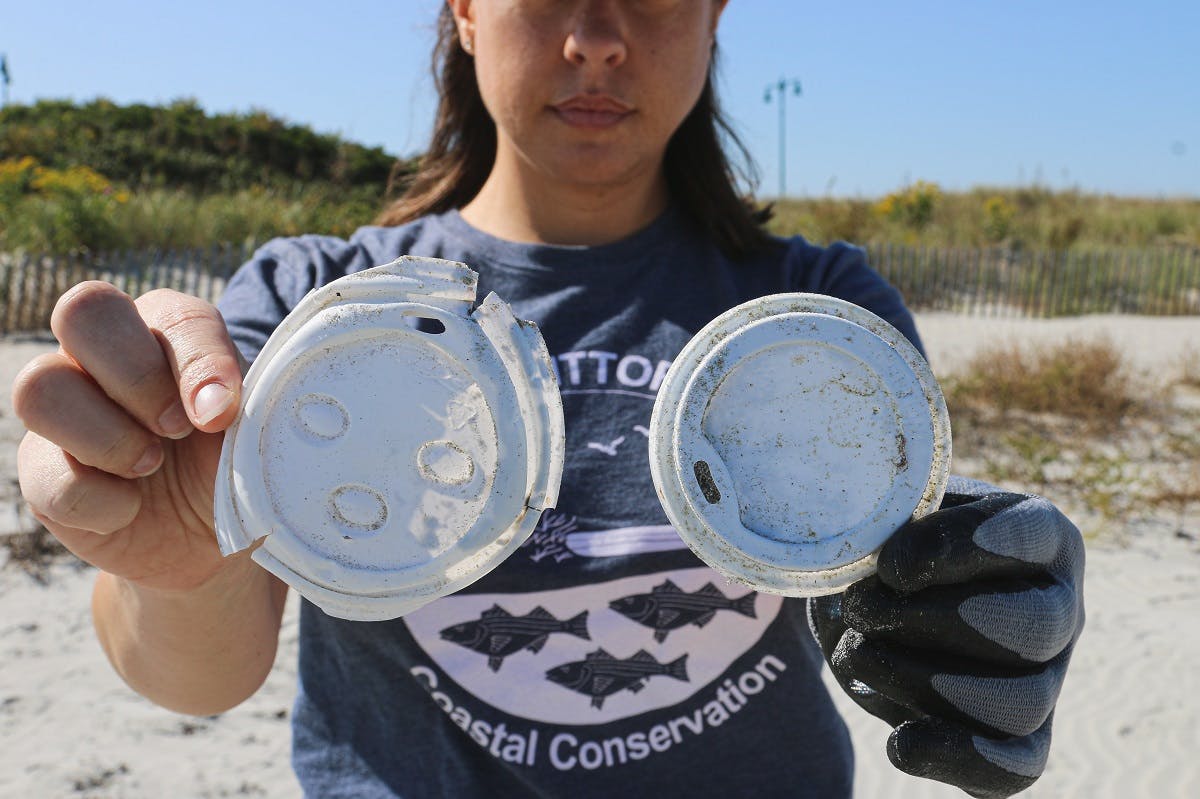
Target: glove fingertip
point(908, 749)
point(900, 567)
point(946, 753)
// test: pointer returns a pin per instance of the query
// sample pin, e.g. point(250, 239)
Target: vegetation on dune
point(180, 146)
point(1032, 217)
point(101, 176)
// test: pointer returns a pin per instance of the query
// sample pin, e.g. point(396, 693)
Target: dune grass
point(1019, 218)
point(1086, 381)
point(1073, 422)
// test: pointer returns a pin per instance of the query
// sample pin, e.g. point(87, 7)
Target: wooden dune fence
point(31, 284)
point(998, 282)
point(982, 282)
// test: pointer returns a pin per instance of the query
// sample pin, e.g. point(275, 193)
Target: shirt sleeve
point(267, 287)
point(841, 270)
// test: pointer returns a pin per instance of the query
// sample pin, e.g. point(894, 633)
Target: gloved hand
point(961, 639)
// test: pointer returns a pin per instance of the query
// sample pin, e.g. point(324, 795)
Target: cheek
point(511, 88)
point(677, 60)
point(515, 64)
point(678, 90)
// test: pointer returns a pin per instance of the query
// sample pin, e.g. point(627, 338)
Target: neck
point(515, 207)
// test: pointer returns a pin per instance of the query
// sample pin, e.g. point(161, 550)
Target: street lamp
point(5, 79)
point(780, 90)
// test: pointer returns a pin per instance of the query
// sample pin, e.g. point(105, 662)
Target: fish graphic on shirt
point(600, 675)
point(667, 607)
point(498, 634)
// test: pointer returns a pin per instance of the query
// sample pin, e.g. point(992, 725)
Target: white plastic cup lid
point(393, 444)
point(792, 436)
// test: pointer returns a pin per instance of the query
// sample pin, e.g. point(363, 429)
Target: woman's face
point(588, 92)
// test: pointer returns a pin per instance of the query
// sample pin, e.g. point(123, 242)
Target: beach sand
point(1126, 723)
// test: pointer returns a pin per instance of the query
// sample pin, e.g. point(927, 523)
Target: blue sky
point(1099, 95)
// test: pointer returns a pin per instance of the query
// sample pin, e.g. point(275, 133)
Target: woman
point(576, 164)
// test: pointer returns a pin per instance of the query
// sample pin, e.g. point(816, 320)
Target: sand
point(1126, 724)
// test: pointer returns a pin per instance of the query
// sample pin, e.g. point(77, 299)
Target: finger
point(100, 328)
point(963, 490)
point(1014, 622)
point(998, 536)
point(56, 400)
point(67, 493)
point(825, 620)
point(994, 700)
point(983, 767)
point(207, 366)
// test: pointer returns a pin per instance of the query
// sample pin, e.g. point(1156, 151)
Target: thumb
point(207, 365)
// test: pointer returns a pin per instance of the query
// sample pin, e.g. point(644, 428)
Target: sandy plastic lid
point(393, 444)
point(792, 436)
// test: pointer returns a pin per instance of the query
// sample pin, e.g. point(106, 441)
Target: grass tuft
point(1071, 423)
point(1085, 381)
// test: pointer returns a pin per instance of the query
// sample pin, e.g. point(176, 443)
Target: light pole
point(5, 79)
point(780, 90)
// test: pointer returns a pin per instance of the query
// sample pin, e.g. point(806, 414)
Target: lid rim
point(680, 407)
point(505, 358)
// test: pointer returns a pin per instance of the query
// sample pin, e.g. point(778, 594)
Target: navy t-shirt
point(602, 658)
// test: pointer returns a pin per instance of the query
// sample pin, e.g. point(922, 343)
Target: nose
point(597, 36)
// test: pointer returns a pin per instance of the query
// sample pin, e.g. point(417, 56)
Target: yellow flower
point(73, 180)
point(912, 206)
point(16, 172)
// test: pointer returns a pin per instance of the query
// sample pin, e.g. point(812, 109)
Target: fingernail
point(211, 402)
point(174, 422)
point(150, 461)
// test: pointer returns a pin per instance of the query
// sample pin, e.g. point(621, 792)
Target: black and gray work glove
point(961, 639)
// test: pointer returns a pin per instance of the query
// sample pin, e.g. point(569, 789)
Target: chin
point(602, 170)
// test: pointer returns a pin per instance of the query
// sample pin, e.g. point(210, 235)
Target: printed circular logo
point(594, 653)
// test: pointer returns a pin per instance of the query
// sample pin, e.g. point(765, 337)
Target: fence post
point(1193, 280)
point(980, 266)
point(10, 271)
point(925, 270)
point(1054, 280)
point(1140, 278)
point(1096, 268)
point(1042, 271)
point(1004, 284)
point(1174, 282)
point(1028, 278)
point(944, 268)
point(210, 271)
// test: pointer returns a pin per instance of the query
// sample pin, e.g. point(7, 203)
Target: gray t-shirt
point(634, 669)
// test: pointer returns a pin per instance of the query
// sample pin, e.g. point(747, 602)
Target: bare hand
point(125, 427)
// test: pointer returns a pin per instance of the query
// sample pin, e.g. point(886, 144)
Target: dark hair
point(702, 181)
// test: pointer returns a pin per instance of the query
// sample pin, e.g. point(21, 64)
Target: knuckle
point(1050, 625)
point(29, 472)
point(39, 384)
point(198, 366)
point(170, 310)
point(1054, 522)
point(121, 452)
point(191, 330)
point(156, 296)
point(66, 505)
point(84, 302)
point(147, 378)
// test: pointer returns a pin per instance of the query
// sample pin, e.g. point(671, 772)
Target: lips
point(593, 111)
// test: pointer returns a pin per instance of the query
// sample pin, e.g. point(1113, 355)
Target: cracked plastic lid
point(393, 444)
point(792, 436)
